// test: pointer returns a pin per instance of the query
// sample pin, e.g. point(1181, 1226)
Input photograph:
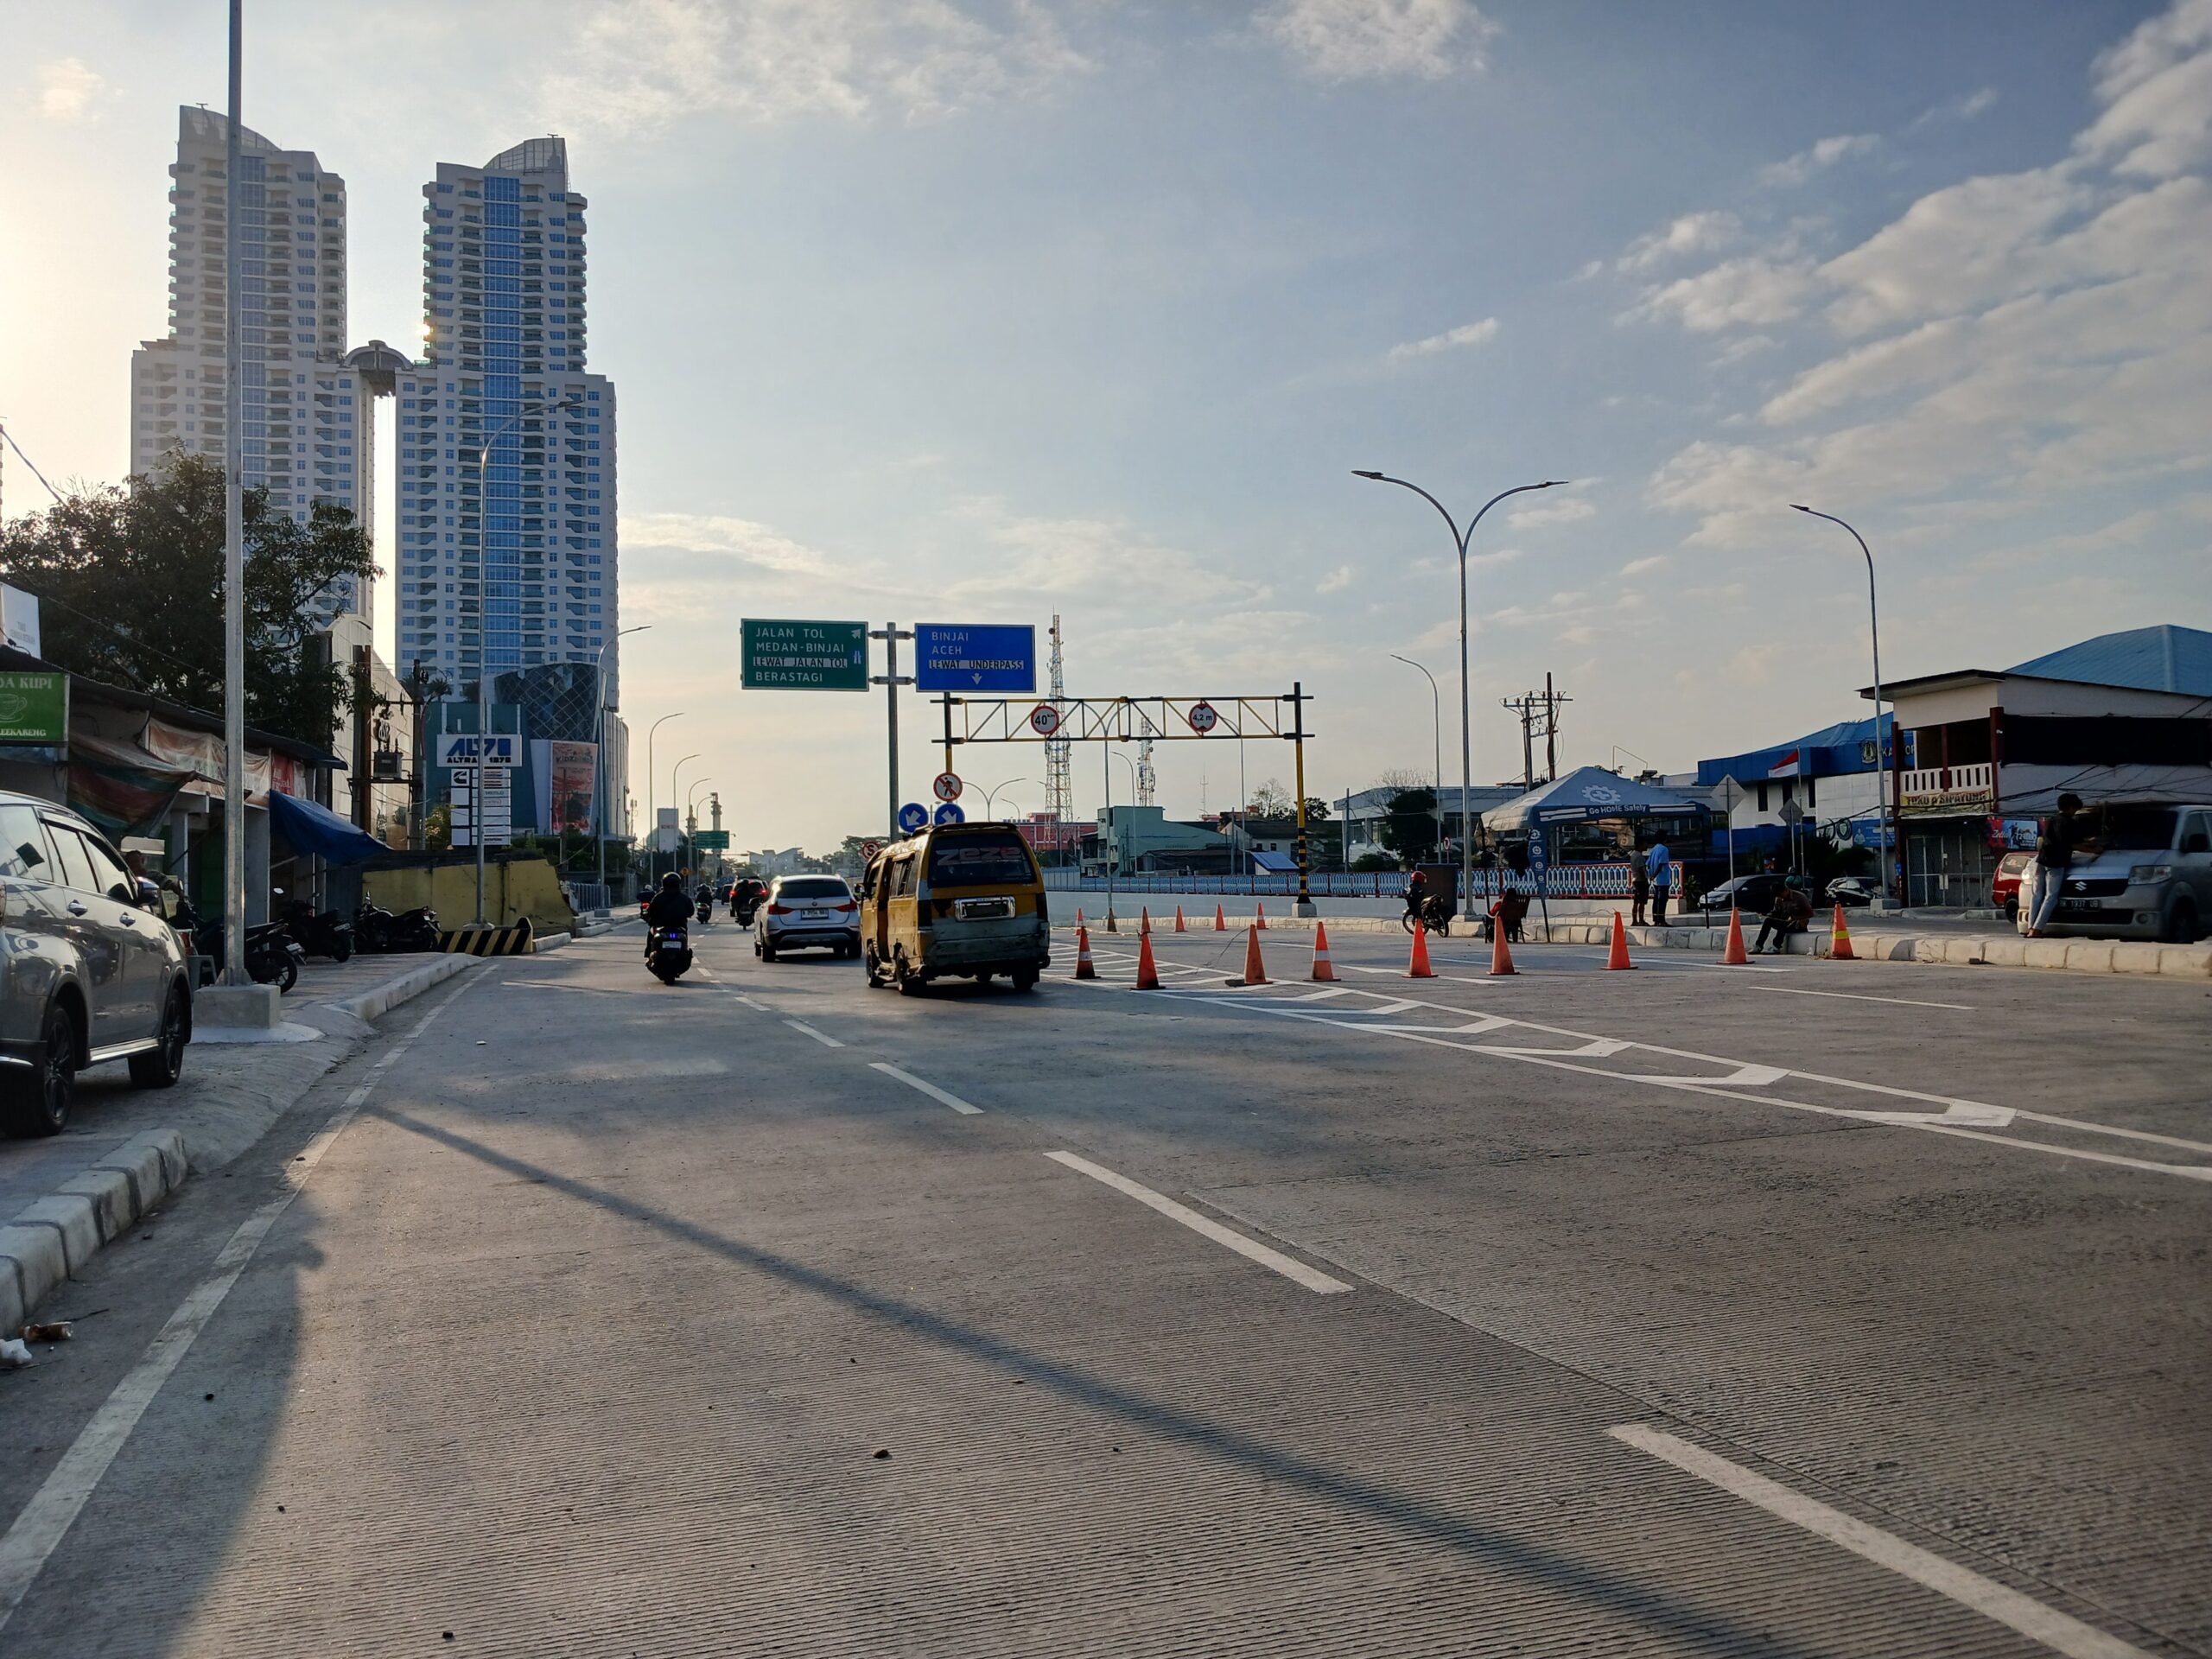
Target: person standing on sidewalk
point(2054, 854)
point(1639, 884)
point(1659, 866)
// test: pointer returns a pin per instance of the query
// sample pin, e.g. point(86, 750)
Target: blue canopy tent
point(1584, 796)
point(317, 831)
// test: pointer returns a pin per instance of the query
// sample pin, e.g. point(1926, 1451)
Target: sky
point(983, 310)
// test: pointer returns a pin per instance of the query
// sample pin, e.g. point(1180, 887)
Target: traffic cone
point(1110, 928)
point(1261, 912)
point(1083, 967)
point(1620, 956)
point(1220, 922)
point(1179, 919)
point(1078, 916)
point(1501, 959)
point(1321, 968)
point(1733, 955)
point(1419, 968)
point(1254, 973)
point(1839, 939)
point(1144, 921)
point(1148, 971)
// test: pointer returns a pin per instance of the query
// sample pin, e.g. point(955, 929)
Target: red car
point(2005, 884)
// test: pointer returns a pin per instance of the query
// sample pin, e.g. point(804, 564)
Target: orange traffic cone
point(1078, 916)
point(1148, 972)
point(1419, 968)
point(1733, 955)
point(1501, 959)
point(1179, 919)
point(1083, 967)
point(1620, 956)
point(1144, 921)
point(1254, 973)
point(1839, 939)
point(1220, 922)
point(1321, 968)
point(1261, 912)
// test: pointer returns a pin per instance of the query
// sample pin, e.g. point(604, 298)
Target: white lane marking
point(54, 1508)
point(757, 1007)
point(2058, 1631)
point(1750, 1075)
point(823, 1038)
point(1860, 996)
point(1297, 1272)
point(928, 1088)
point(2108, 1128)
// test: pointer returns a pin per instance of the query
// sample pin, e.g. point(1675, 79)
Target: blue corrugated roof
point(2160, 659)
point(1839, 744)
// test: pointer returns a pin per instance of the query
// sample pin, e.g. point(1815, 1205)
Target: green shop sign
point(34, 708)
point(805, 656)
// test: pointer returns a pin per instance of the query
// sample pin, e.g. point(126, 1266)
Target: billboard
point(571, 772)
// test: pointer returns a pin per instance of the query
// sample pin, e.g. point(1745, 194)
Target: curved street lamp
point(1882, 830)
point(1459, 541)
point(599, 746)
point(993, 790)
point(653, 824)
point(1436, 729)
point(692, 815)
point(675, 772)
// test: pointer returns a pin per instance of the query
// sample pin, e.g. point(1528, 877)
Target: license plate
point(815, 916)
point(673, 936)
point(977, 910)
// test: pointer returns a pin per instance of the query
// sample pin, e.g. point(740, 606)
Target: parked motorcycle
point(377, 929)
point(324, 933)
point(273, 956)
point(671, 956)
point(1852, 890)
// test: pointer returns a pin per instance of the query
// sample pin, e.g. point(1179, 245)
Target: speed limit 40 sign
point(1044, 720)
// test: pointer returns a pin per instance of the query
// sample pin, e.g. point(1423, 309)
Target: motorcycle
point(379, 930)
point(272, 956)
point(671, 956)
point(320, 934)
point(1435, 916)
point(1852, 890)
point(746, 901)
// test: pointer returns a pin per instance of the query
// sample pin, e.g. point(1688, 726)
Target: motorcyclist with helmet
point(669, 907)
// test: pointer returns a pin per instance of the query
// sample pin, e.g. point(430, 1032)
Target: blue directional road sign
point(975, 657)
point(912, 817)
point(949, 813)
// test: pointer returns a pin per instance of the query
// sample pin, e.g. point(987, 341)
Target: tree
point(1316, 811)
point(1270, 800)
point(1409, 827)
point(131, 583)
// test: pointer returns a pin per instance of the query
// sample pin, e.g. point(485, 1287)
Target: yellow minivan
point(960, 899)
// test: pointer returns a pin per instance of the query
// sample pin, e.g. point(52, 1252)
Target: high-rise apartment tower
point(508, 564)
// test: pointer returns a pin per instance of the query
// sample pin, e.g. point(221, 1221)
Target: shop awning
point(318, 830)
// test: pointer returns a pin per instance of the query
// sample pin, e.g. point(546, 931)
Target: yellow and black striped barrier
point(514, 940)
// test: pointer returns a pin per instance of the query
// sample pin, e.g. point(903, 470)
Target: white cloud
point(1691, 233)
point(2157, 87)
point(1825, 154)
point(1645, 566)
point(742, 540)
point(1566, 511)
point(1337, 581)
point(66, 89)
point(1749, 346)
point(1467, 334)
point(1379, 40)
point(639, 64)
point(1752, 291)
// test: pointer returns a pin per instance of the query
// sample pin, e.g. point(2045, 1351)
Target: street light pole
point(993, 790)
point(653, 823)
point(1436, 724)
point(233, 533)
point(598, 743)
point(1119, 844)
point(691, 817)
point(1459, 541)
point(476, 825)
point(675, 795)
point(1882, 830)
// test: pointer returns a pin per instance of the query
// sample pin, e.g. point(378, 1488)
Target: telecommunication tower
point(1147, 779)
point(1058, 787)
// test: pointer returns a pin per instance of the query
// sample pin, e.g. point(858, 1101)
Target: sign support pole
point(1297, 747)
point(890, 682)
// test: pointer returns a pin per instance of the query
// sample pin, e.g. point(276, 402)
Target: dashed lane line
point(821, 1037)
point(2060, 1633)
point(54, 1508)
point(928, 1088)
point(1296, 1272)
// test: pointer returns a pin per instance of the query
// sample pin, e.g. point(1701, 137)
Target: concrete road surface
point(1800, 1310)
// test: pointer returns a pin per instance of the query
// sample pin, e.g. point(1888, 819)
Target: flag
point(1786, 766)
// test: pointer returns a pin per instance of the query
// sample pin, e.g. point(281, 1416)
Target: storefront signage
point(34, 708)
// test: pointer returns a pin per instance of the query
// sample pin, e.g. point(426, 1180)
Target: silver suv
point(2145, 873)
point(87, 974)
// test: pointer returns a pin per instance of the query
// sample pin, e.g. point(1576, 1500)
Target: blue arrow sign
point(975, 657)
point(912, 817)
point(951, 813)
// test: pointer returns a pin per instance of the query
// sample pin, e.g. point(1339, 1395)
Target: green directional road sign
point(805, 656)
point(711, 841)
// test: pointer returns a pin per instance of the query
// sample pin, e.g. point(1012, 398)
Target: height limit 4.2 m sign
point(793, 656)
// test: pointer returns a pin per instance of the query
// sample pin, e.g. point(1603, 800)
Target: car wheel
point(908, 981)
point(2013, 912)
point(161, 1067)
point(767, 951)
point(1025, 979)
point(37, 1100)
point(2181, 926)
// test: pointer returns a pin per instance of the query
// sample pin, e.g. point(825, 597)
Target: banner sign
point(34, 708)
point(572, 769)
point(975, 657)
point(802, 655)
point(461, 749)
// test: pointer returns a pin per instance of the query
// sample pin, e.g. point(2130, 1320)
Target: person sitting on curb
point(1509, 910)
point(1792, 912)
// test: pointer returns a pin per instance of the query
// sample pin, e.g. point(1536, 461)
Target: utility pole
point(1538, 709)
point(234, 530)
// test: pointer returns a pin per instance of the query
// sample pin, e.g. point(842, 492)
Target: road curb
point(49, 1240)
